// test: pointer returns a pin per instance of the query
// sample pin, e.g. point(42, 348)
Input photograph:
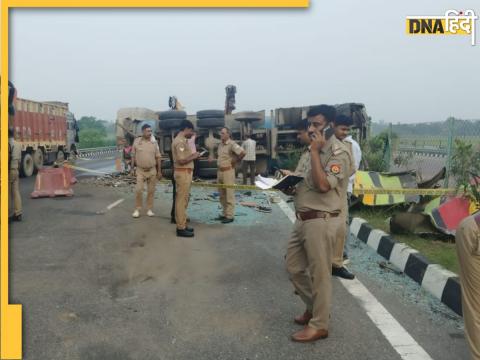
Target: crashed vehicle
point(207, 125)
point(284, 135)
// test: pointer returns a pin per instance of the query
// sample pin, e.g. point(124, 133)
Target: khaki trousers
point(15, 192)
point(150, 177)
point(309, 262)
point(468, 251)
point(183, 182)
point(227, 196)
point(340, 243)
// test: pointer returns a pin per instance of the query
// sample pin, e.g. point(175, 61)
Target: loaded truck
point(46, 131)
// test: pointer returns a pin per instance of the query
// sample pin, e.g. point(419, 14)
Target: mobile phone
point(328, 132)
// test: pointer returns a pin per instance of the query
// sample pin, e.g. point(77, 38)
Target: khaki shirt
point(227, 152)
point(336, 162)
point(303, 162)
point(146, 153)
point(15, 156)
point(181, 150)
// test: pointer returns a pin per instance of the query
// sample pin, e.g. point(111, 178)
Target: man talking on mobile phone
point(318, 204)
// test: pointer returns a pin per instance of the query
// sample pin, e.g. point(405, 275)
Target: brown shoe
point(303, 319)
point(309, 334)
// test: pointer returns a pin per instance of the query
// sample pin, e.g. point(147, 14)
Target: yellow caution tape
point(401, 191)
point(356, 191)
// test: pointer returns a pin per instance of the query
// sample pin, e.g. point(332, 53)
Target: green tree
point(466, 167)
point(90, 138)
point(94, 132)
point(92, 123)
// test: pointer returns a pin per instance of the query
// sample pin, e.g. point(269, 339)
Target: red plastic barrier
point(52, 182)
point(69, 173)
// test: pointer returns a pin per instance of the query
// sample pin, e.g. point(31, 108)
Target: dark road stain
point(138, 243)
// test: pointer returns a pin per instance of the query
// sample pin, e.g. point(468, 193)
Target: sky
point(333, 52)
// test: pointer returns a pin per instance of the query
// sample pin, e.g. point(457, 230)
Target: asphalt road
point(98, 284)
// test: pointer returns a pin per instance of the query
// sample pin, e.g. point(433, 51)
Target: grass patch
point(436, 250)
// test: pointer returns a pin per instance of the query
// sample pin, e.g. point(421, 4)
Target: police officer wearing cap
point(183, 162)
point(318, 203)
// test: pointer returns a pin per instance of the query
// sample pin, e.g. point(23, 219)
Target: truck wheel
point(211, 122)
point(38, 159)
point(60, 156)
point(26, 165)
point(172, 114)
point(247, 116)
point(204, 114)
point(169, 124)
point(208, 173)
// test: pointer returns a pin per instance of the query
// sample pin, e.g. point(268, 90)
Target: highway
point(97, 284)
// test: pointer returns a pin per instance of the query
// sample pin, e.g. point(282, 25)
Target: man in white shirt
point(342, 127)
point(248, 164)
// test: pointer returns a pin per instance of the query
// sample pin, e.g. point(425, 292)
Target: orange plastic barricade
point(52, 182)
point(69, 173)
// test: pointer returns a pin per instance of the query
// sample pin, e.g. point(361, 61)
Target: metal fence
point(97, 153)
point(429, 147)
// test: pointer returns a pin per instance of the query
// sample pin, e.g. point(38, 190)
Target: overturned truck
point(275, 135)
point(207, 124)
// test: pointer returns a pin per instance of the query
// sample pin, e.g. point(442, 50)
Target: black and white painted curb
point(441, 283)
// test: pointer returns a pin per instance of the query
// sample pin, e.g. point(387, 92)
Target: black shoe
point(227, 221)
point(343, 273)
point(184, 233)
point(220, 218)
point(189, 229)
point(15, 218)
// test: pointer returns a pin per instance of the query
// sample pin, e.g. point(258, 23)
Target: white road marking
point(112, 205)
point(403, 343)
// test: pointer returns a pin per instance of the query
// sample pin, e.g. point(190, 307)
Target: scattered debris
point(122, 179)
point(388, 266)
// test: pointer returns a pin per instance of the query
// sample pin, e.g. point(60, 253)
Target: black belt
point(315, 214)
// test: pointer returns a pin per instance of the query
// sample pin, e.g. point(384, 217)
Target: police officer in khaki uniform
point(468, 250)
point(183, 162)
point(229, 153)
point(304, 139)
point(147, 162)
point(14, 157)
point(318, 204)
point(341, 128)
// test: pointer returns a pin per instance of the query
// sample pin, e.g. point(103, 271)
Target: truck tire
point(26, 165)
point(204, 163)
point(247, 116)
point(208, 173)
point(211, 122)
point(167, 173)
point(172, 114)
point(60, 156)
point(38, 159)
point(169, 124)
point(205, 114)
point(166, 164)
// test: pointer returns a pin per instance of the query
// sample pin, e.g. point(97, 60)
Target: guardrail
point(95, 153)
point(431, 152)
